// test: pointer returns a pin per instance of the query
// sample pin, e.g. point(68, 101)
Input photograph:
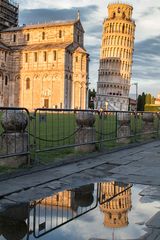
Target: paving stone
point(54, 185)
point(136, 179)
point(139, 165)
point(4, 203)
point(154, 222)
point(153, 171)
point(30, 195)
point(106, 167)
point(95, 173)
point(151, 191)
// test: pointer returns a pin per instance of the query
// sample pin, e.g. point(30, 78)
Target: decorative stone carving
point(148, 122)
point(124, 119)
point(14, 140)
point(85, 119)
point(86, 133)
point(148, 117)
point(124, 129)
point(14, 121)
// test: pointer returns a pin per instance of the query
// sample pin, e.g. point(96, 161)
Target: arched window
point(5, 56)
point(60, 33)
point(6, 80)
point(54, 55)
point(44, 56)
point(123, 28)
point(35, 56)
point(43, 35)
point(26, 57)
point(28, 36)
point(28, 83)
point(14, 38)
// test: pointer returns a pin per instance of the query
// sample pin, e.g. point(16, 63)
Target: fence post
point(116, 133)
point(158, 125)
point(135, 126)
point(148, 123)
point(124, 129)
point(35, 138)
point(14, 140)
point(86, 134)
point(101, 129)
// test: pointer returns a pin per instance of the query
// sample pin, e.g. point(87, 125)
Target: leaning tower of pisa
point(116, 211)
point(116, 58)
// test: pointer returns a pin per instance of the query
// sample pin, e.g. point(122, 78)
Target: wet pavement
point(96, 211)
point(105, 177)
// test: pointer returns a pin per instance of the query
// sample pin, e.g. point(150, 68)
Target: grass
point(55, 130)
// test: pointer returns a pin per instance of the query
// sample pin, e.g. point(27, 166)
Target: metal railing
point(59, 209)
point(61, 131)
point(57, 129)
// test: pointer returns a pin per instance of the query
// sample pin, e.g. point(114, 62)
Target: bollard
point(124, 129)
point(86, 133)
point(148, 122)
point(14, 140)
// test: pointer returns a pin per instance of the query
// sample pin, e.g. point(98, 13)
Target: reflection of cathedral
point(116, 210)
point(79, 197)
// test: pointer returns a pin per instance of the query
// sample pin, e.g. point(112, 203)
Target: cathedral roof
point(80, 49)
point(41, 25)
point(75, 47)
point(41, 46)
point(3, 46)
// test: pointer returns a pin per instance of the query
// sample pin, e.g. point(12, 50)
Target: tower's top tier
point(120, 11)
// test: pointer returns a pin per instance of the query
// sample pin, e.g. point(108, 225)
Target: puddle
point(100, 211)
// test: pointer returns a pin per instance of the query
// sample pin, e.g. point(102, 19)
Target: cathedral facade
point(116, 58)
point(44, 65)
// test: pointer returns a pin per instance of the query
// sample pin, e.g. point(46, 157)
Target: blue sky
point(146, 65)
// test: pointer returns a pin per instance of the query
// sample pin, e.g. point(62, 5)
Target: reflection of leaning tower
point(115, 211)
point(116, 58)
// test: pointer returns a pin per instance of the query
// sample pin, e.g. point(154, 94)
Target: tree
point(148, 98)
point(91, 96)
point(141, 102)
point(153, 100)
